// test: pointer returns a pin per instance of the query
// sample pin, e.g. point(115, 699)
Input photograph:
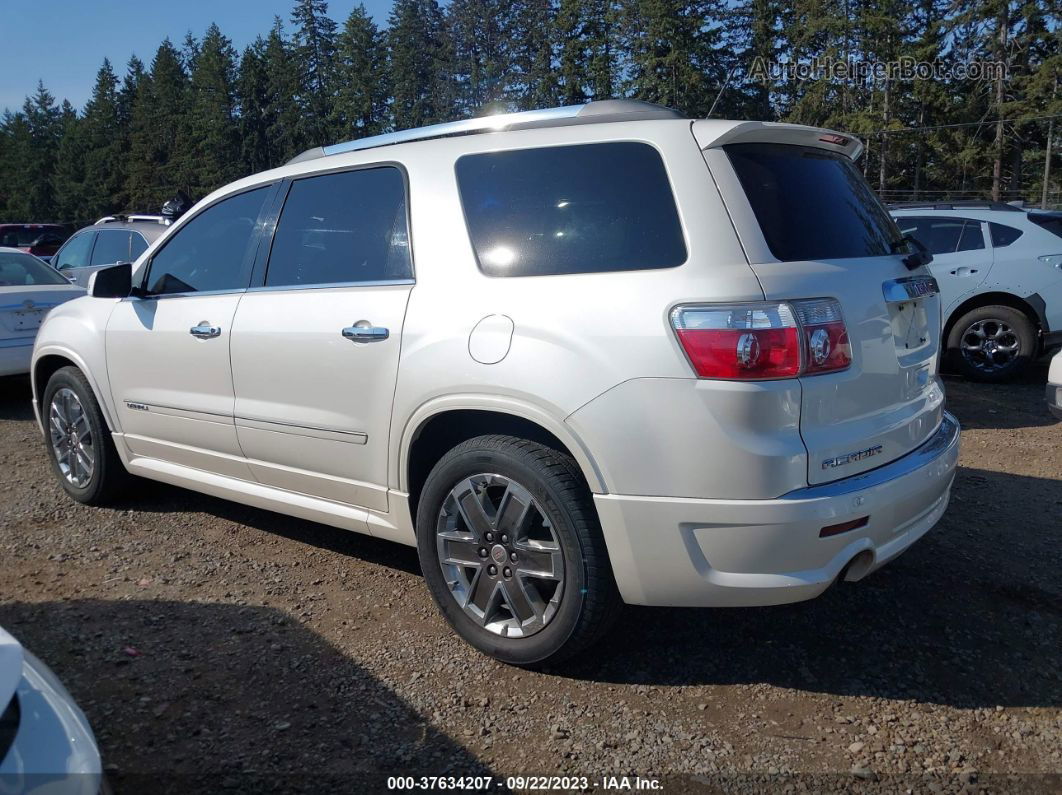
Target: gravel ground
point(218, 647)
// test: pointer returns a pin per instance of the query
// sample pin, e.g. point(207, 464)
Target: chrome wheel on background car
point(990, 345)
point(71, 437)
point(499, 555)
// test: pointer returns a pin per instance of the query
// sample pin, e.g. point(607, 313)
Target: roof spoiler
point(712, 133)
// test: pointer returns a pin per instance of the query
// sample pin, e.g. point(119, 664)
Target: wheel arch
point(1026, 306)
point(46, 362)
point(435, 429)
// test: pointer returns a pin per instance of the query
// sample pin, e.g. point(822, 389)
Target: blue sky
point(63, 42)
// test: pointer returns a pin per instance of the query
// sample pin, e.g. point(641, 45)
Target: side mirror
point(917, 258)
point(113, 282)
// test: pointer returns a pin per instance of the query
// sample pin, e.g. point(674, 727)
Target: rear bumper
point(15, 355)
point(730, 553)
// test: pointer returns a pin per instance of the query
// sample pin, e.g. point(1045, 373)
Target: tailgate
point(812, 228)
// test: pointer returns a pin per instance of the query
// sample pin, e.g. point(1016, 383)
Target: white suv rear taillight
point(762, 340)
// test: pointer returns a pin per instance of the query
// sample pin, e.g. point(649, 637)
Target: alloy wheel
point(71, 437)
point(500, 555)
point(990, 345)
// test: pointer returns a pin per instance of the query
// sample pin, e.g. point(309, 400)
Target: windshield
point(25, 270)
point(812, 204)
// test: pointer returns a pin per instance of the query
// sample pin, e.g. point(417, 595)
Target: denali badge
point(137, 406)
point(851, 458)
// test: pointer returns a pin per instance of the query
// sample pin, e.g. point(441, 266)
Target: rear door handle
point(205, 331)
point(366, 332)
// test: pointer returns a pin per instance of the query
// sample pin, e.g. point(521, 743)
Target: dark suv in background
point(113, 239)
point(41, 240)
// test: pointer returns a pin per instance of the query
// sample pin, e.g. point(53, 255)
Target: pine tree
point(158, 156)
point(361, 77)
point(105, 145)
point(315, 45)
point(251, 97)
point(588, 32)
point(419, 62)
point(672, 50)
point(281, 114)
point(44, 120)
point(533, 35)
point(480, 37)
point(210, 129)
point(68, 176)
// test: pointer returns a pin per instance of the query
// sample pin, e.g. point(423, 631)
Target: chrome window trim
point(162, 296)
point(331, 285)
point(943, 440)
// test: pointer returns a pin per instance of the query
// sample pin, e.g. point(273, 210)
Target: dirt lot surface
point(221, 648)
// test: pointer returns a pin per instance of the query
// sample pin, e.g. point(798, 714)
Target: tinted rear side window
point(1003, 235)
point(342, 228)
point(112, 245)
point(812, 204)
point(570, 209)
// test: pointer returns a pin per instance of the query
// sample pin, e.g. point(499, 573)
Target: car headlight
point(1054, 260)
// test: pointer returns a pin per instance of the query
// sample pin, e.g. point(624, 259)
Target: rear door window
point(348, 227)
point(587, 208)
point(112, 245)
point(972, 238)
point(812, 204)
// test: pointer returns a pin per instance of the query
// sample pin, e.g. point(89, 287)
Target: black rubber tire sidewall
point(108, 472)
point(550, 644)
point(1023, 329)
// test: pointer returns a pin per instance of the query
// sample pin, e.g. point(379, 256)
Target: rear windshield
point(1052, 222)
point(588, 208)
point(812, 204)
point(25, 270)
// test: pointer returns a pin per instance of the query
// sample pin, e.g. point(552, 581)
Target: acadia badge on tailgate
point(851, 458)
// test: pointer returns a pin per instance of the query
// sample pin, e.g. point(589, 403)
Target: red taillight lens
point(763, 340)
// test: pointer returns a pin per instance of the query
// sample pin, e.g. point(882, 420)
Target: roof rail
point(123, 218)
point(973, 204)
point(591, 112)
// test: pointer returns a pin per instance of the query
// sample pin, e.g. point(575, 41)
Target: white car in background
point(46, 744)
point(1054, 386)
point(999, 269)
point(29, 288)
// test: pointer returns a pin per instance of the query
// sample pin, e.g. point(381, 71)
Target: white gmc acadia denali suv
point(578, 357)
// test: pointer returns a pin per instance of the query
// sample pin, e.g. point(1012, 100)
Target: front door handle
point(364, 331)
point(963, 270)
point(205, 331)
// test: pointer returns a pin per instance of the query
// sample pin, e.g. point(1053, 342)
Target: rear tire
point(528, 580)
point(992, 344)
point(78, 441)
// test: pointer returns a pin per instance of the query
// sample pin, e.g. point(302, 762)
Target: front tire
point(79, 444)
point(992, 343)
point(512, 551)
